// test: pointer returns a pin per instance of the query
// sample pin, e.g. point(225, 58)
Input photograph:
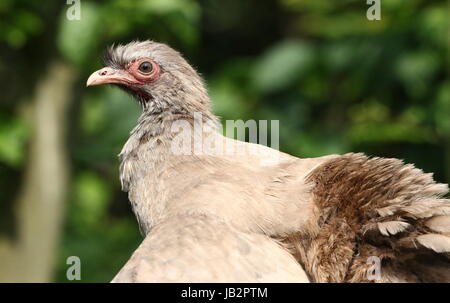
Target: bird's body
point(235, 202)
point(230, 211)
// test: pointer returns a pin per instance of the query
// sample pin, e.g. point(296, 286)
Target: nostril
point(103, 72)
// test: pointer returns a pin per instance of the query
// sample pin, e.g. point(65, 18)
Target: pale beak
point(109, 75)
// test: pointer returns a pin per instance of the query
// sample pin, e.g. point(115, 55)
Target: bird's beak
point(109, 75)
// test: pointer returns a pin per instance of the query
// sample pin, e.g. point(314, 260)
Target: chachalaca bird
point(249, 213)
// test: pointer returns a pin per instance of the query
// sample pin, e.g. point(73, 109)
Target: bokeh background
point(336, 81)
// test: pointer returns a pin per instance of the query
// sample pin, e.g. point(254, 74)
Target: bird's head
point(157, 76)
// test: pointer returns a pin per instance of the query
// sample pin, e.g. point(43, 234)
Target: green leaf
point(282, 65)
point(91, 196)
point(416, 69)
point(78, 38)
point(442, 112)
point(14, 133)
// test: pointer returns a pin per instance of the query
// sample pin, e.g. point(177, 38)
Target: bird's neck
point(147, 155)
point(154, 138)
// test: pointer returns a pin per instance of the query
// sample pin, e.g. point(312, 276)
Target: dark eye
point(146, 67)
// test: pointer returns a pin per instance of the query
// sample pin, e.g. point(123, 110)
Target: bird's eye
point(146, 67)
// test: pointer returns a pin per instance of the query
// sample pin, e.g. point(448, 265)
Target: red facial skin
point(142, 78)
point(130, 76)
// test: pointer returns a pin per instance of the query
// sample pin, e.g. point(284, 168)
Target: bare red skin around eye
point(141, 78)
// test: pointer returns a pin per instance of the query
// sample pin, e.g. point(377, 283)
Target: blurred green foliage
point(336, 81)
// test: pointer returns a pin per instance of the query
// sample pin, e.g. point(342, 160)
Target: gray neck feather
point(150, 140)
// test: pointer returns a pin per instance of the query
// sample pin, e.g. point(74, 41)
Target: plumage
point(440, 224)
point(438, 243)
point(230, 211)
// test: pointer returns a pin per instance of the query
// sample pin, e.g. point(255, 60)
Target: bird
point(250, 213)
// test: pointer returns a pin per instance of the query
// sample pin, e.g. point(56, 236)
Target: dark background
point(336, 81)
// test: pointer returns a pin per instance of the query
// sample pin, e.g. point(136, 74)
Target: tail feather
point(438, 243)
point(440, 224)
point(376, 207)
